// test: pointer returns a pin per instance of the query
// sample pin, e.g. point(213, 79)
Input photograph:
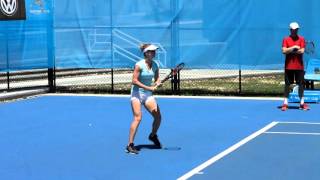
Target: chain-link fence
point(26, 79)
point(191, 82)
point(118, 81)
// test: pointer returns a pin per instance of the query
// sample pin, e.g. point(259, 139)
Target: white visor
point(151, 48)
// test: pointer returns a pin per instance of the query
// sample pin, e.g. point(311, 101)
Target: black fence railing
point(118, 81)
point(24, 79)
point(187, 82)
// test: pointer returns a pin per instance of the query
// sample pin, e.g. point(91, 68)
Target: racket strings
point(310, 47)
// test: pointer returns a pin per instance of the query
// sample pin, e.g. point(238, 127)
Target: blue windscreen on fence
point(227, 34)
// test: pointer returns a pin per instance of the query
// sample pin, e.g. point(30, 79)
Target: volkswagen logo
point(8, 7)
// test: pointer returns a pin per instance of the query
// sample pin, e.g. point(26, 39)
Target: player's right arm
point(287, 50)
point(135, 79)
point(292, 49)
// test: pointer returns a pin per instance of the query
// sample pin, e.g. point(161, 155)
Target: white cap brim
point(151, 48)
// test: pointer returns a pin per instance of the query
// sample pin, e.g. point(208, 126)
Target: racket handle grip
point(164, 80)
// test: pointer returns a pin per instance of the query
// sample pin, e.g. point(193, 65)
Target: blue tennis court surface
point(83, 138)
point(289, 150)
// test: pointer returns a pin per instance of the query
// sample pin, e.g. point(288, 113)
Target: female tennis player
point(146, 71)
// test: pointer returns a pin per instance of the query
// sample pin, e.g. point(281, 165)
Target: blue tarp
point(229, 34)
point(313, 70)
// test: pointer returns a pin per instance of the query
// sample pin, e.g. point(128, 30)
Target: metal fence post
point(240, 85)
point(7, 59)
point(111, 47)
point(174, 38)
point(51, 51)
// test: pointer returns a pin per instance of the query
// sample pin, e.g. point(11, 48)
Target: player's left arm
point(157, 80)
point(302, 47)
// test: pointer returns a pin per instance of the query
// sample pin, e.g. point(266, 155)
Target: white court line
point(198, 169)
point(169, 97)
point(292, 133)
point(88, 95)
point(311, 123)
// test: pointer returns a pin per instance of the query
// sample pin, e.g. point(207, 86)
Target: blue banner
point(206, 34)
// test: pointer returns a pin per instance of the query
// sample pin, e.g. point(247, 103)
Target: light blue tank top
point(146, 75)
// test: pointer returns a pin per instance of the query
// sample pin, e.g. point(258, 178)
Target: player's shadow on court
point(290, 107)
point(152, 146)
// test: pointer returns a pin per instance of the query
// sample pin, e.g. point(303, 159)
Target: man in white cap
point(293, 48)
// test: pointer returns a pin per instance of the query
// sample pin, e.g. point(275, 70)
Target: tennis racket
point(310, 47)
point(173, 72)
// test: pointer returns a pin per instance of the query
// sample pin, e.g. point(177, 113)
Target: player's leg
point(288, 79)
point(137, 115)
point(299, 75)
point(152, 106)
